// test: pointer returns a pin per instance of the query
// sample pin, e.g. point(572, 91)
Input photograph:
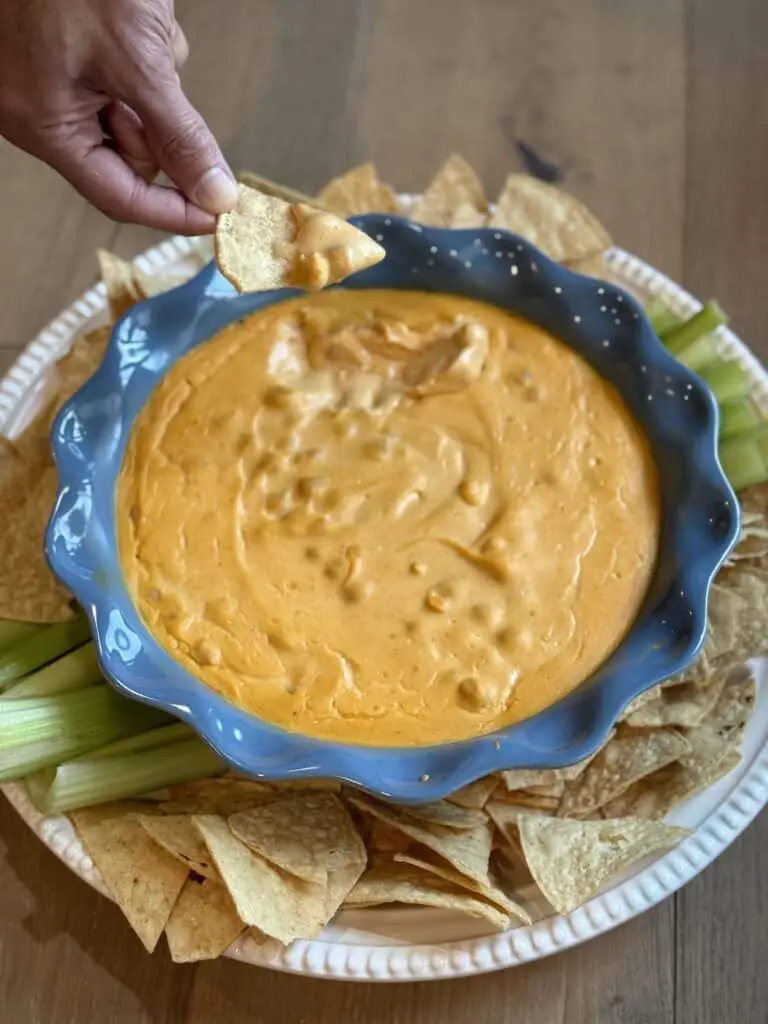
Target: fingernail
point(216, 191)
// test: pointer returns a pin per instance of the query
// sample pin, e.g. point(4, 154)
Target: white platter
point(413, 944)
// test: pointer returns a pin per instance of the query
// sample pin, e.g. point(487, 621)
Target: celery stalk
point(727, 380)
point(745, 459)
point(661, 316)
point(707, 320)
point(699, 354)
point(145, 741)
point(738, 418)
point(75, 671)
point(11, 632)
point(36, 733)
point(32, 652)
point(96, 780)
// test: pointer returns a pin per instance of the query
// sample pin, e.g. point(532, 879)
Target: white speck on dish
point(603, 309)
point(617, 322)
point(514, 270)
point(558, 290)
point(643, 368)
point(478, 241)
point(670, 392)
point(497, 235)
point(498, 255)
point(577, 319)
point(467, 263)
point(453, 252)
point(534, 267)
point(606, 343)
point(379, 238)
point(388, 221)
point(433, 248)
point(601, 291)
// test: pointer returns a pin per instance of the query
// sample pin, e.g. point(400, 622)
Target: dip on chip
point(266, 242)
point(387, 517)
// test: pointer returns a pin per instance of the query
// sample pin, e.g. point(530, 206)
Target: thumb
point(185, 148)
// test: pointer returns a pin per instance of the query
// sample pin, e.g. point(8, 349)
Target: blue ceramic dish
point(699, 509)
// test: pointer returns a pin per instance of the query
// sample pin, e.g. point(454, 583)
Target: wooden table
point(657, 113)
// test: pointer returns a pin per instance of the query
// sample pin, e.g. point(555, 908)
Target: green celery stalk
point(707, 320)
point(75, 671)
point(32, 652)
point(727, 380)
point(37, 733)
point(699, 354)
point(745, 459)
point(98, 779)
point(737, 418)
point(145, 741)
point(661, 316)
point(11, 632)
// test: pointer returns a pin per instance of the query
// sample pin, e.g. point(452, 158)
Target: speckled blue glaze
point(604, 324)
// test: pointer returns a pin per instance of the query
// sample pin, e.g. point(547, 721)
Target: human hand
point(92, 88)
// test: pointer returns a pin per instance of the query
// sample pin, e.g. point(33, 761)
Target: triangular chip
point(685, 703)
point(468, 851)
point(204, 923)
point(536, 801)
point(267, 243)
point(714, 753)
point(118, 277)
point(273, 188)
point(143, 878)
point(477, 794)
point(176, 834)
point(556, 222)
point(403, 883)
point(523, 778)
point(491, 892)
point(629, 756)
point(149, 285)
point(223, 796)
point(278, 904)
point(299, 832)
point(356, 192)
point(445, 814)
point(570, 860)
point(454, 199)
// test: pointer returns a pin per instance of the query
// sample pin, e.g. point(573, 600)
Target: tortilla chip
point(150, 285)
point(176, 834)
point(640, 701)
point(445, 814)
point(356, 192)
point(505, 817)
point(223, 796)
point(714, 753)
point(492, 893)
point(255, 246)
point(751, 633)
point(570, 860)
point(144, 879)
point(535, 801)
point(477, 794)
point(402, 883)
point(278, 905)
point(203, 924)
point(454, 199)
point(683, 703)
point(299, 833)
point(118, 277)
point(273, 188)
point(559, 224)
point(300, 785)
point(29, 591)
point(468, 850)
point(629, 756)
point(523, 778)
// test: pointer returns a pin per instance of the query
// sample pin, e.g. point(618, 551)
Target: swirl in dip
point(387, 517)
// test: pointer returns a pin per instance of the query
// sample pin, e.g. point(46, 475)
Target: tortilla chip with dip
point(267, 243)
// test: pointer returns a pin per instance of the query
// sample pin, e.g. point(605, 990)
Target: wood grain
point(657, 114)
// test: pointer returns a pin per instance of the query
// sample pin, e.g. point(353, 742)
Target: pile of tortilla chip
point(218, 858)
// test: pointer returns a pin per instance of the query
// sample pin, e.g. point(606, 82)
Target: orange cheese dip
point(387, 518)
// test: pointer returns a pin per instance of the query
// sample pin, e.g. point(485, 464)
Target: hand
point(92, 88)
